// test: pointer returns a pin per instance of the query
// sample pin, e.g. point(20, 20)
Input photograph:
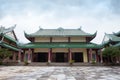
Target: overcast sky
point(93, 15)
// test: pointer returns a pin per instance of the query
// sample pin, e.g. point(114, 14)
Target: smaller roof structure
point(117, 45)
point(117, 34)
point(9, 35)
point(110, 38)
point(8, 46)
point(3, 30)
point(11, 39)
point(4, 33)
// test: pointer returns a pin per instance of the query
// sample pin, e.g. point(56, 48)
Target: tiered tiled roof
point(60, 32)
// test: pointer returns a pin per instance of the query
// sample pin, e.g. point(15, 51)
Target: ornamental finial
point(40, 28)
point(80, 28)
point(60, 29)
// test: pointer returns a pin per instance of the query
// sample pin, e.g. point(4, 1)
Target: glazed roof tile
point(61, 45)
point(59, 32)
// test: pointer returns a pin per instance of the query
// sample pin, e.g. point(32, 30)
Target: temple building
point(61, 46)
point(9, 41)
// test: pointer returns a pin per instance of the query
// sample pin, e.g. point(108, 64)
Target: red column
point(97, 56)
point(14, 57)
point(70, 55)
point(29, 55)
point(49, 55)
point(19, 56)
point(101, 57)
point(97, 60)
point(90, 55)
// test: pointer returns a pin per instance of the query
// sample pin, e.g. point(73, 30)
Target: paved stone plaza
point(59, 73)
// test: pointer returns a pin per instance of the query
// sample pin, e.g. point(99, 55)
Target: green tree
point(112, 54)
point(4, 53)
point(117, 54)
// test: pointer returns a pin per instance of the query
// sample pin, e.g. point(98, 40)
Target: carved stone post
point(19, 56)
point(29, 56)
point(101, 57)
point(49, 55)
point(90, 55)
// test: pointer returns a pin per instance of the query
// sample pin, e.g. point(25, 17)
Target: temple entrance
point(60, 57)
point(41, 57)
point(77, 56)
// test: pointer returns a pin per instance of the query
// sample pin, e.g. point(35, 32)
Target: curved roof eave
point(117, 45)
point(94, 35)
point(26, 35)
point(117, 34)
point(91, 37)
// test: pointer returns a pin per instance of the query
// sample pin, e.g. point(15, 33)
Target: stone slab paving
point(59, 73)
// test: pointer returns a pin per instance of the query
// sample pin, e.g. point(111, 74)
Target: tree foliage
point(111, 53)
point(4, 53)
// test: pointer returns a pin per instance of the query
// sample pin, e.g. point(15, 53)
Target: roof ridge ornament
point(80, 28)
point(117, 33)
point(60, 29)
point(2, 28)
point(40, 28)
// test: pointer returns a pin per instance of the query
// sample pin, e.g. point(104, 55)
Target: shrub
point(71, 61)
point(26, 63)
point(93, 61)
point(4, 53)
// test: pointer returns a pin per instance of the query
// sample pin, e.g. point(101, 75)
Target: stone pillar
point(97, 59)
point(14, 57)
point(70, 54)
point(90, 55)
point(49, 55)
point(19, 56)
point(29, 55)
point(101, 57)
point(96, 55)
point(117, 60)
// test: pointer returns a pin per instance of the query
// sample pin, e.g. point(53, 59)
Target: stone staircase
point(54, 64)
point(61, 64)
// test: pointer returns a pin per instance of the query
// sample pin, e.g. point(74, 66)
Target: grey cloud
point(11, 7)
point(115, 6)
point(59, 7)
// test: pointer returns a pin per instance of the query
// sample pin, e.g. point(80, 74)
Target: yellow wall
point(59, 39)
point(54, 50)
point(26, 51)
point(41, 50)
point(93, 52)
point(59, 50)
point(85, 56)
point(42, 39)
point(78, 39)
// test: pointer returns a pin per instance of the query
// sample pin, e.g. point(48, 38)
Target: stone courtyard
point(59, 73)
